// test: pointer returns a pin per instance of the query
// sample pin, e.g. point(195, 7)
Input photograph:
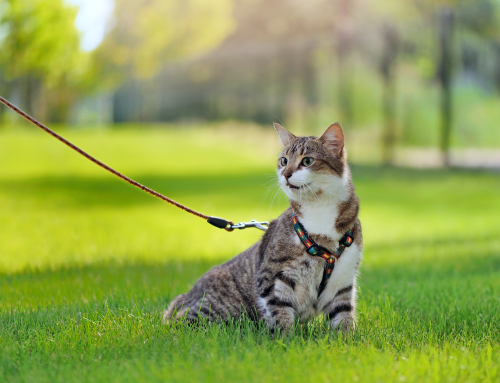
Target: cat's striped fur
point(276, 279)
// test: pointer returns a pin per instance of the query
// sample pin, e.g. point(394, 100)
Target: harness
point(316, 250)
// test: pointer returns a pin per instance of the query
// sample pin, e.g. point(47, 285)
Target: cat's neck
point(319, 215)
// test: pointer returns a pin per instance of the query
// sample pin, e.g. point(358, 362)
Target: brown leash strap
point(217, 222)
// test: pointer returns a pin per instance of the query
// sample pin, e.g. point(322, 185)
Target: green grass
point(88, 263)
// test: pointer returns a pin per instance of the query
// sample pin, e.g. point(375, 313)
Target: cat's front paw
point(344, 322)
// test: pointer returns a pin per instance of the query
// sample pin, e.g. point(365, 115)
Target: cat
point(276, 279)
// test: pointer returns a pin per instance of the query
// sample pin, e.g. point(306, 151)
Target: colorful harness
point(314, 249)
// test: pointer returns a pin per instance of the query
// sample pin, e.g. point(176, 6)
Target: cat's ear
point(285, 136)
point(333, 138)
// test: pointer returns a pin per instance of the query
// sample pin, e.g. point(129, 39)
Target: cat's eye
point(284, 161)
point(307, 161)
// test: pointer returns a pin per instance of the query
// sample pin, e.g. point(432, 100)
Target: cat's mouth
point(296, 187)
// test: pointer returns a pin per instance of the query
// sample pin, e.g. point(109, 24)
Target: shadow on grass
point(111, 191)
point(94, 192)
point(375, 185)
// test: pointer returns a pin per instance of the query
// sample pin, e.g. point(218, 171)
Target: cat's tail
point(175, 309)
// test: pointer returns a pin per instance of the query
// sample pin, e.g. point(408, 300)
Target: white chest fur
point(343, 275)
point(319, 218)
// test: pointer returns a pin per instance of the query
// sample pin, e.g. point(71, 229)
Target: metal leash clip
point(252, 223)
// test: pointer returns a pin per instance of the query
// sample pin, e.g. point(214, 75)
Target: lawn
point(88, 263)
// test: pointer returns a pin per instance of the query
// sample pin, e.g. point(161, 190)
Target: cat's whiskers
point(313, 193)
point(277, 192)
point(274, 188)
point(300, 195)
point(324, 190)
point(306, 192)
point(272, 181)
point(271, 187)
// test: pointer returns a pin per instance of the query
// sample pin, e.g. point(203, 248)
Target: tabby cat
point(277, 279)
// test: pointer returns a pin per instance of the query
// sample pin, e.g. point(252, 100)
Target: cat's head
point(310, 168)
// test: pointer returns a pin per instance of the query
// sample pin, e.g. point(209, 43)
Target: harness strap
point(316, 250)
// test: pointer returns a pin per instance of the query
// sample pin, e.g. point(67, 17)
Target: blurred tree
point(264, 69)
point(39, 49)
point(146, 34)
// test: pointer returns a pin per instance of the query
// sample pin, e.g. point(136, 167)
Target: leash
point(221, 223)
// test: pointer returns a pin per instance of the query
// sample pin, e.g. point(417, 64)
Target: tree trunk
point(496, 51)
point(388, 65)
point(309, 81)
point(344, 89)
point(310, 86)
point(446, 24)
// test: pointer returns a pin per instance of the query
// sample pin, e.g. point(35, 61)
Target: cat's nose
point(287, 175)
